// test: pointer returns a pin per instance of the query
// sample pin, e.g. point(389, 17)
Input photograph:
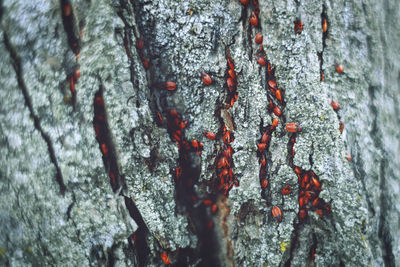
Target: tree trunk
point(98, 165)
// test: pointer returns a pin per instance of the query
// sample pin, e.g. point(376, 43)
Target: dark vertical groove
point(16, 62)
point(383, 228)
point(141, 233)
point(118, 184)
point(70, 26)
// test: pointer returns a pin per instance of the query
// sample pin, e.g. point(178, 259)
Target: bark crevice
point(17, 65)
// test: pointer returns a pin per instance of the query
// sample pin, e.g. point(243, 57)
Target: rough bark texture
point(65, 201)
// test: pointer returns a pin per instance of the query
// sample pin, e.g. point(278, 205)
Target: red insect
point(316, 202)
point(67, 10)
point(253, 19)
point(286, 190)
point(244, 2)
point(315, 182)
point(170, 86)
point(276, 212)
point(339, 68)
point(297, 170)
point(324, 25)
point(230, 63)
point(322, 76)
point(145, 63)
point(72, 85)
point(293, 127)
point(139, 43)
point(265, 138)
point(263, 160)
point(214, 208)
point(207, 202)
point(261, 61)
point(227, 138)
point(165, 258)
point(298, 26)
point(341, 126)
point(176, 137)
point(233, 100)
point(206, 78)
point(209, 135)
point(231, 84)
point(178, 172)
point(104, 148)
point(228, 152)
point(231, 73)
point(304, 180)
point(278, 95)
point(173, 113)
point(275, 123)
point(183, 124)
point(77, 74)
point(259, 38)
point(201, 146)
point(261, 147)
point(335, 105)
point(303, 201)
point(223, 162)
point(277, 111)
point(272, 84)
point(264, 183)
point(195, 144)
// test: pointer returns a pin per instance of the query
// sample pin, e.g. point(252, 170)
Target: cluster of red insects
point(225, 164)
point(309, 185)
point(176, 125)
point(224, 159)
point(309, 189)
point(262, 147)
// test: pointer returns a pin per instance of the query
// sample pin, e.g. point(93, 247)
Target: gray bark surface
point(58, 203)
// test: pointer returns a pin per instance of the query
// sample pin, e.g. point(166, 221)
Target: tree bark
point(96, 169)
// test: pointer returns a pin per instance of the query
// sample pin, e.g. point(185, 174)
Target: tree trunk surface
point(103, 163)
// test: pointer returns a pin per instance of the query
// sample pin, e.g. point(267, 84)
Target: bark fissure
point(17, 65)
point(186, 176)
point(70, 26)
point(71, 29)
point(383, 230)
point(118, 183)
point(324, 24)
